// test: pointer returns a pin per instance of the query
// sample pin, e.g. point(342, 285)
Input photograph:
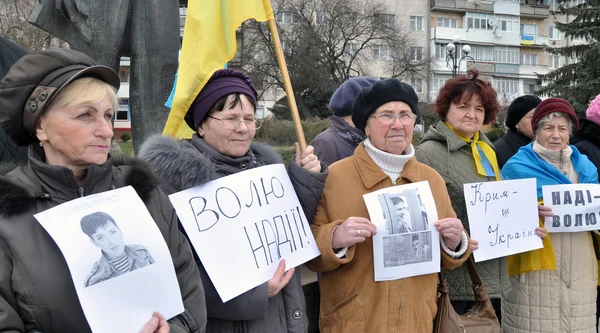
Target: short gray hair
point(547, 118)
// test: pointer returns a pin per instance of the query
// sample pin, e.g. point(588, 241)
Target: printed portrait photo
point(116, 258)
point(399, 250)
point(403, 212)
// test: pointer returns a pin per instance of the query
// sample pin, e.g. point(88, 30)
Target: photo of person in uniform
point(404, 222)
point(421, 252)
point(117, 258)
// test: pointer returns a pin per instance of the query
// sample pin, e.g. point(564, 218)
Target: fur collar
point(182, 165)
point(19, 187)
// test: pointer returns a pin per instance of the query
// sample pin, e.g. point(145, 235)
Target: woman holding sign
point(223, 115)
point(61, 104)
point(457, 149)
point(553, 289)
point(351, 300)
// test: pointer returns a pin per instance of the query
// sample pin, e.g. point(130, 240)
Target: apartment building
point(507, 39)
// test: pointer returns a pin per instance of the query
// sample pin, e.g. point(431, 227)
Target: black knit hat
point(34, 80)
point(519, 108)
point(382, 92)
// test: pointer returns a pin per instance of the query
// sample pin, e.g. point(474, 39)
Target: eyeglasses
point(233, 123)
point(389, 118)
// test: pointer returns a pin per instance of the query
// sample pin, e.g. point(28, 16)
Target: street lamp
point(452, 57)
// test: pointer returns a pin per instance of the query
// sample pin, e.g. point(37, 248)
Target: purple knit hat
point(222, 83)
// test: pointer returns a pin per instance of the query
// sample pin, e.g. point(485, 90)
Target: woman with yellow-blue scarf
point(457, 149)
point(553, 289)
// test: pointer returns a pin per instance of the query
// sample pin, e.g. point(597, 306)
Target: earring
point(41, 144)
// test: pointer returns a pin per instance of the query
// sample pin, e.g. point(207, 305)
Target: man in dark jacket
point(520, 133)
point(341, 138)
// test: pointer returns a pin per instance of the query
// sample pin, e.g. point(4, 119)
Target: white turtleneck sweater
point(392, 165)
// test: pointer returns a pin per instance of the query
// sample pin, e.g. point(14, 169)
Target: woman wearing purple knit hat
point(223, 115)
point(553, 289)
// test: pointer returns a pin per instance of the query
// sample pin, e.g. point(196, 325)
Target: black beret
point(519, 108)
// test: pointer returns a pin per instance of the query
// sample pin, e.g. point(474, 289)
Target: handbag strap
point(475, 279)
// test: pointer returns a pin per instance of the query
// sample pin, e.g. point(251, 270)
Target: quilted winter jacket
point(351, 300)
point(446, 153)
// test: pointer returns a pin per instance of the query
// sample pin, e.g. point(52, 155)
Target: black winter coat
point(508, 145)
point(587, 140)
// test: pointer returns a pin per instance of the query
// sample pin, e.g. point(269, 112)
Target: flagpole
point(287, 84)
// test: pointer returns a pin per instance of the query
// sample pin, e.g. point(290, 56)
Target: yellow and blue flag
point(209, 42)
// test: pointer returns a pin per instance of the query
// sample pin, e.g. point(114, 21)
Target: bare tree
point(325, 42)
point(14, 26)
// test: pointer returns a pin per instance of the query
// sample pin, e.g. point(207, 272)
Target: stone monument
point(146, 31)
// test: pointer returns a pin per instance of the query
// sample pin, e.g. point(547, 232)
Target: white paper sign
point(576, 207)
point(406, 244)
point(118, 259)
point(242, 225)
point(503, 216)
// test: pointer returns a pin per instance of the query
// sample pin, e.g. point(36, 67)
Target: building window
point(381, 52)
point(479, 21)
point(287, 17)
point(528, 29)
point(438, 81)
point(529, 59)
point(386, 20)
point(554, 34)
point(124, 74)
point(260, 110)
point(182, 16)
point(417, 84)
point(482, 53)
point(508, 23)
point(416, 23)
point(123, 111)
point(506, 86)
point(506, 55)
point(441, 52)
point(416, 53)
point(444, 22)
point(554, 61)
point(351, 49)
point(529, 88)
point(322, 17)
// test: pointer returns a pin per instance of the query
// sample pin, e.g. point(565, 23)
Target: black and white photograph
point(403, 212)
point(406, 243)
point(399, 250)
point(116, 257)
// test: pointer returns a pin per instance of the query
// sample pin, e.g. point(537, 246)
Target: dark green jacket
point(452, 158)
point(36, 291)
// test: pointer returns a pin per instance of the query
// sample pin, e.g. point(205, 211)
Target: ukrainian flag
point(209, 43)
point(527, 40)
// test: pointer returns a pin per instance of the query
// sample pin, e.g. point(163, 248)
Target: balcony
point(461, 6)
point(534, 40)
point(533, 71)
point(532, 11)
point(507, 69)
point(498, 37)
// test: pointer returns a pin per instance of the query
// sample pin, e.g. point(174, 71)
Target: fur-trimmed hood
point(185, 164)
point(21, 186)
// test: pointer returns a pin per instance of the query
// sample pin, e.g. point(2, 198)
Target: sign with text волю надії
point(576, 207)
point(242, 225)
point(503, 216)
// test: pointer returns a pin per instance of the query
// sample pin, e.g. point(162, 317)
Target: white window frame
point(123, 108)
point(528, 59)
point(286, 17)
point(381, 52)
point(417, 84)
point(482, 53)
point(417, 23)
point(479, 21)
point(553, 33)
point(553, 61)
point(447, 22)
point(506, 86)
point(506, 55)
point(508, 23)
point(522, 30)
point(416, 53)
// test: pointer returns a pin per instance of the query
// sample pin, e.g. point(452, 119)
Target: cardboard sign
point(576, 207)
point(242, 225)
point(503, 216)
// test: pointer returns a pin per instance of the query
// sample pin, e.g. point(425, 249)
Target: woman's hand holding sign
point(280, 279)
point(353, 230)
point(451, 230)
point(157, 324)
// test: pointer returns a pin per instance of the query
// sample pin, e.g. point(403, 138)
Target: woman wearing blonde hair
point(61, 104)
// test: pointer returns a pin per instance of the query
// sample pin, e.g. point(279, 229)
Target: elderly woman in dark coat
point(61, 104)
point(520, 133)
point(223, 115)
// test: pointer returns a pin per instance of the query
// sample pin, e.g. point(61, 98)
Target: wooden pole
point(287, 84)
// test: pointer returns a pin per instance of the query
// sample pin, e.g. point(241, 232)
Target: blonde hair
point(83, 91)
